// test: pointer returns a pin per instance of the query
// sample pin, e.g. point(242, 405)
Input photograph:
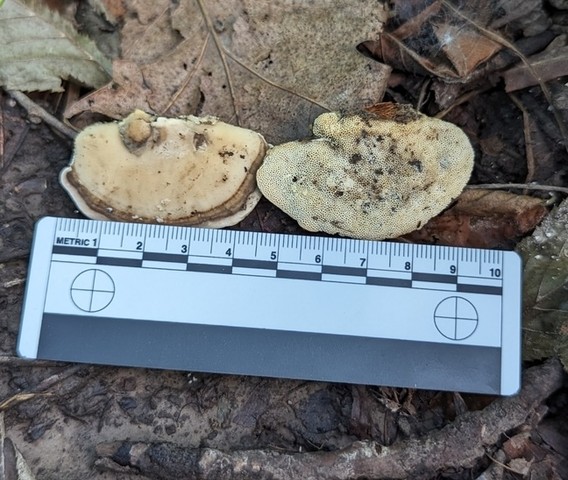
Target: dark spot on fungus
point(378, 171)
point(199, 140)
point(338, 193)
point(226, 153)
point(355, 158)
point(417, 164)
point(294, 179)
point(315, 218)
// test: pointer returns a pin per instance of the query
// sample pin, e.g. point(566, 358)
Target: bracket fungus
point(372, 175)
point(180, 171)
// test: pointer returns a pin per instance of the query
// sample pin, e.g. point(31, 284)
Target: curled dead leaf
point(427, 37)
point(484, 219)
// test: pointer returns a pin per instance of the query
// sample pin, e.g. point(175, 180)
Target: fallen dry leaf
point(426, 37)
point(39, 48)
point(545, 292)
point(271, 67)
point(483, 219)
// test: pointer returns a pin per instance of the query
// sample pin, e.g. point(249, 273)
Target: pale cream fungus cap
point(371, 175)
point(184, 171)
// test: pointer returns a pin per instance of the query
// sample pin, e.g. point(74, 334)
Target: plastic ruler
point(277, 305)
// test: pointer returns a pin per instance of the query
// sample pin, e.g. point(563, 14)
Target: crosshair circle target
point(456, 318)
point(92, 290)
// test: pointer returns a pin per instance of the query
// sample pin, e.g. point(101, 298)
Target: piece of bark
point(457, 446)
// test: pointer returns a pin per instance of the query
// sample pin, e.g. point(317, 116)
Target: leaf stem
point(221, 51)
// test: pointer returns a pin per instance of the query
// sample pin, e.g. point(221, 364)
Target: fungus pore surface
point(373, 175)
point(184, 171)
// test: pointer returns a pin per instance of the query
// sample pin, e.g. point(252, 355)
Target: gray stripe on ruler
point(84, 251)
point(480, 289)
point(389, 282)
point(164, 257)
point(209, 268)
point(273, 353)
point(434, 277)
point(122, 262)
point(359, 272)
point(239, 262)
point(298, 274)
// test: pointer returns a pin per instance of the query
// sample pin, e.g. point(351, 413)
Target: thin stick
point(1, 137)
point(526, 186)
point(40, 387)
point(422, 96)
point(528, 138)
point(34, 109)
point(462, 99)
point(502, 465)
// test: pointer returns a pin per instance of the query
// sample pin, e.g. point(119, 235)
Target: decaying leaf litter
point(169, 412)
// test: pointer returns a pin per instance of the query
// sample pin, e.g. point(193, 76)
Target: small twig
point(506, 467)
point(1, 137)
point(13, 283)
point(526, 186)
point(461, 99)
point(422, 96)
point(528, 138)
point(35, 110)
point(20, 138)
point(40, 387)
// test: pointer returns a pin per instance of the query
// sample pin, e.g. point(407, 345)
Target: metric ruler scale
point(274, 305)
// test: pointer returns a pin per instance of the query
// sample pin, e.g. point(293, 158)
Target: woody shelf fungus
point(178, 171)
point(371, 175)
